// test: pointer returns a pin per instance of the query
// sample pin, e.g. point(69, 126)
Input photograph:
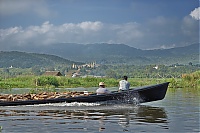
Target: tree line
point(111, 71)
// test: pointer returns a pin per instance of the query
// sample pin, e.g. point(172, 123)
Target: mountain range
point(121, 53)
point(102, 54)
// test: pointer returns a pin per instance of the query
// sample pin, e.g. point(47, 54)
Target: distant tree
point(111, 74)
point(6, 70)
point(36, 70)
point(50, 68)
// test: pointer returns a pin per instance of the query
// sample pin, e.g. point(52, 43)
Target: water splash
point(64, 104)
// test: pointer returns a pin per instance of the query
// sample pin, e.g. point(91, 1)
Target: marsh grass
point(51, 82)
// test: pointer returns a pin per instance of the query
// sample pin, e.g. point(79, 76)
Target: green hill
point(27, 60)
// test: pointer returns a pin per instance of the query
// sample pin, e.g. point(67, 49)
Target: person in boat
point(102, 89)
point(124, 84)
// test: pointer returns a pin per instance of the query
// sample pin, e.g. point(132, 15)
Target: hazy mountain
point(101, 53)
point(120, 53)
point(178, 51)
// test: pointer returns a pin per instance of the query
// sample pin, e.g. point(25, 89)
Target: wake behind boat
point(141, 94)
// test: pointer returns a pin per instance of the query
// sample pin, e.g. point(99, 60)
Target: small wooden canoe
point(139, 95)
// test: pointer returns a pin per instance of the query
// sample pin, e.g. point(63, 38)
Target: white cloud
point(195, 13)
point(44, 28)
point(48, 33)
point(156, 33)
point(95, 26)
point(125, 33)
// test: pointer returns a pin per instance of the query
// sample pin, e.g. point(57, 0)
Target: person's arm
point(119, 85)
point(107, 91)
point(128, 85)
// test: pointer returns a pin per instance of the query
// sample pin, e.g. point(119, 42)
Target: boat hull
point(139, 95)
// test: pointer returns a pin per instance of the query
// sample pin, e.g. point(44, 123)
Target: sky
point(143, 24)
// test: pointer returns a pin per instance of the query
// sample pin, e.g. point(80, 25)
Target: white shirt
point(124, 85)
point(102, 91)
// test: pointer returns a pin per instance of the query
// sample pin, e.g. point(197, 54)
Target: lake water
point(178, 112)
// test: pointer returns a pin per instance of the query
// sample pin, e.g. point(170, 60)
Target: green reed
point(188, 80)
